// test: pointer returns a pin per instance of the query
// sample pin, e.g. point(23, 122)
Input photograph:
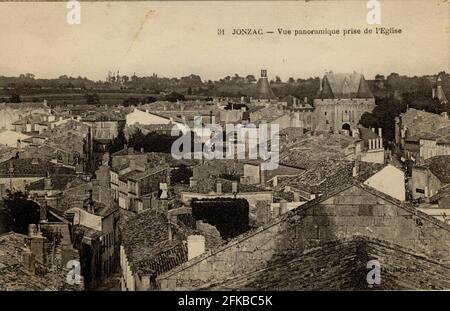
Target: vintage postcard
point(225, 145)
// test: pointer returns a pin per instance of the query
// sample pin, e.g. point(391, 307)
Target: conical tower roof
point(263, 89)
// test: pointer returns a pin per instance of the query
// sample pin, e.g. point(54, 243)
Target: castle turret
point(263, 89)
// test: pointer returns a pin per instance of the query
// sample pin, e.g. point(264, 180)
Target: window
point(418, 190)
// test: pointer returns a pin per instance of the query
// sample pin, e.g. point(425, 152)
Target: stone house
point(429, 177)
point(349, 212)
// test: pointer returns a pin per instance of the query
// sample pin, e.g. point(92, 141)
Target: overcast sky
point(180, 38)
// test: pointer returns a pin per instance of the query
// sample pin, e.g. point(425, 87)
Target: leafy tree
point(150, 99)
point(174, 96)
point(180, 175)
point(19, 211)
point(118, 143)
point(92, 99)
point(130, 101)
point(250, 79)
point(15, 98)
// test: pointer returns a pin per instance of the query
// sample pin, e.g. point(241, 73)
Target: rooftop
point(344, 85)
point(342, 266)
point(148, 248)
point(439, 166)
point(14, 276)
point(35, 167)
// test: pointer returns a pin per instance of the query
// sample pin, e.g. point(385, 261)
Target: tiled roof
point(35, 167)
point(145, 238)
point(341, 265)
point(307, 151)
point(443, 192)
point(419, 121)
point(439, 166)
point(301, 210)
point(366, 134)
point(15, 277)
point(208, 185)
point(99, 116)
point(329, 175)
point(57, 183)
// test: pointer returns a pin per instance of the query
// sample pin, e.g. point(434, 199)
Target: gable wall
point(351, 213)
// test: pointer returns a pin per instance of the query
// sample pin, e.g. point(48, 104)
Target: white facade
point(145, 118)
point(390, 180)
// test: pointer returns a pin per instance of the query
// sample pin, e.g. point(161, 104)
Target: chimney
point(433, 93)
point(373, 129)
point(276, 211)
point(356, 168)
point(262, 176)
point(234, 187)
point(163, 189)
point(192, 182)
point(380, 132)
point(305, 99)
point(43, 212)
point(47, 183)
point(219, 188)
point(36, 243)
point(320, 84)
point(283, 207)
point(67, 254)
point(28, 260)
point(196, 245)
point(142, 149)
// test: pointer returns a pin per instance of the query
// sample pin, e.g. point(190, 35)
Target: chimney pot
point(28, 260)
point(219, 188)
point(192, 182)
point(234, 187)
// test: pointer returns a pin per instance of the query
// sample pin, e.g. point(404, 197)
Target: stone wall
point(342, 265)
point(356, 211)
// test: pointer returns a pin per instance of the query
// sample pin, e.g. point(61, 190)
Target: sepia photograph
point(232, 146)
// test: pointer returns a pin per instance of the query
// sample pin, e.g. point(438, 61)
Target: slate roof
point(344, 85)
